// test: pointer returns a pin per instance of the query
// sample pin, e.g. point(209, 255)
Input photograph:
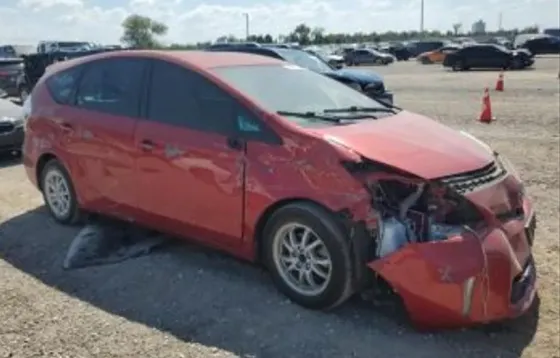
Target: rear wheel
point(308, 256)
point(458, 66)
point(59, 194)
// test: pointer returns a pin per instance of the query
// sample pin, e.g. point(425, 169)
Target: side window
point(112, 86)
point(182, 97)
point(61, 85)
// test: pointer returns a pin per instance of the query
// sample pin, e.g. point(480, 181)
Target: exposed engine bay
point(417, 212)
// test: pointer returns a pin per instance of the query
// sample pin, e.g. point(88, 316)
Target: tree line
point(143, 32)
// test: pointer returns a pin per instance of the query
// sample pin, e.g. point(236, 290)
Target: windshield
point(306, 60)
point(291, 88)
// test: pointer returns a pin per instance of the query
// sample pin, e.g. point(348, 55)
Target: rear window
point(62, 84)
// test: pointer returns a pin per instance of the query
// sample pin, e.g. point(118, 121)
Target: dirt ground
point(185, 301)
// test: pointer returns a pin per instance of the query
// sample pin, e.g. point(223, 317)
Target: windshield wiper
point(353, 109)
point(311, 115)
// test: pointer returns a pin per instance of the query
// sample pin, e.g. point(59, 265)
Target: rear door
point(99, 133)
point(190, 163)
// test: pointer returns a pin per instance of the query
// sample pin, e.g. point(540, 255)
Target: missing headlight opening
point(413, 210)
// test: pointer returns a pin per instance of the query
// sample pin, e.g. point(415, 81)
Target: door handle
point(235, 143)
point(147, 145)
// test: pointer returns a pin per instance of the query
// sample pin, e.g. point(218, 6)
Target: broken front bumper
point(476, 277)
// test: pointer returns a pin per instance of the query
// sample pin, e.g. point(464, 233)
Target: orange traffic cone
point(500, 82)
point(486, 114)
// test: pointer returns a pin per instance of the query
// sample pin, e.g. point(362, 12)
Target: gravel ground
point(185, 301)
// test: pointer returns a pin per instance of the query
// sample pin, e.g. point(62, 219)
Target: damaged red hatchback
point(330, 189)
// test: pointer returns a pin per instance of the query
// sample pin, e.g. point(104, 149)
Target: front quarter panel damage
point(428, 279)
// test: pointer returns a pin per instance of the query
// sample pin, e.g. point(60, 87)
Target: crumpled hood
point(412, 143)
point(361, 77)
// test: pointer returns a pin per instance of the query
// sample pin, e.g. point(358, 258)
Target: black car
point(399, 51)
point(11, 127)
point(10, 70)
point(542, 44)
point(367, 82)
point(488, 56)
point(34, 66)
point(368, 56)
point(417, 47)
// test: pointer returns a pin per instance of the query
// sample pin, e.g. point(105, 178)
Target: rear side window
point(184, 98)
point(62, 84)
point(112, 86)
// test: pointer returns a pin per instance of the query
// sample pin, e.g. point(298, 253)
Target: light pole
point(421, 16)
point(246, 15)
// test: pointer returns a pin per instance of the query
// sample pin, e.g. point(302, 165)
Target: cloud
point(29, 21)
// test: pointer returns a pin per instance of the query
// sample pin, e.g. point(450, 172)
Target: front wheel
point(59, 194)
point(308, 256)
point(516, 64)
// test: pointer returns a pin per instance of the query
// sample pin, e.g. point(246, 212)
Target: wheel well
point(43, 160)
point(265, 216)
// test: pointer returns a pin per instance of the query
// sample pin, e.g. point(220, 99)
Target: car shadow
point(206, 297)
point(9, 160)
point(532, 68)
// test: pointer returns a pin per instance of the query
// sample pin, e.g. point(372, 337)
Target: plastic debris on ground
point(104, 241)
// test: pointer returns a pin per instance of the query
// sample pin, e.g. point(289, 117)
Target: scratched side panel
point(303, 168)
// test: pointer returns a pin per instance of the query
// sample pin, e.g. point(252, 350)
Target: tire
point(458, 66)
point(425, 61)
point(516, 64)
point(55, 171)
point(333, 290)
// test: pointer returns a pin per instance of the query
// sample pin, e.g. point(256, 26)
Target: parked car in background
point(331, 191)
point(11, 127)
point(367, 82)
point(64, 46)
point(10, 70)
point(336, 61)
point(418, 47)
point(488, 56)
point(437, 56)
point(367, 56)
point(34, 66)
point(541, 44)
point(398, 50)
point(10, 51)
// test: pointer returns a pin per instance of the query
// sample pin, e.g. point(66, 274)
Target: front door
point(190, 166)
point(102, 118)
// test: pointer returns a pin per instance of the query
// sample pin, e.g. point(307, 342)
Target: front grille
point(522, 282)
point(6, 128)
point(469, 181)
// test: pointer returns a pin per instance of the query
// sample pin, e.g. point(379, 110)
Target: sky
point(189, 21)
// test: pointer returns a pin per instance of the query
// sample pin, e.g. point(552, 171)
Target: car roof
point(198, 59)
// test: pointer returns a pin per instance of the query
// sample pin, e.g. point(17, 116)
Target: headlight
point(475, 139)
point(355, 86)
point(17, 122)
point(508, 166)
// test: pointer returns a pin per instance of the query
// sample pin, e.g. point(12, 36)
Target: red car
point(331, 190)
